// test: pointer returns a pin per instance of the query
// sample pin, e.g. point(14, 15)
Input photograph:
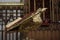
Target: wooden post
point(25, 8)
point(53, 10)
point(50, 9)
point(5, 24)
point(57, 9)
point(29, 6)
point(43, 12)
point(34, 5)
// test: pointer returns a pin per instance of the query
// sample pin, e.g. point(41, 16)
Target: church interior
point(29, 20)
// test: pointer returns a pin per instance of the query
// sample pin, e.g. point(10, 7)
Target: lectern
point(31, 22)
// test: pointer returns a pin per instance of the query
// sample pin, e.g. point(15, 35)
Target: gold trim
point(10, 3)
